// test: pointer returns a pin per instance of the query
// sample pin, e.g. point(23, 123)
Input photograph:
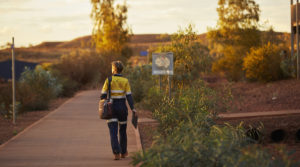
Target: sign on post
point(162, 63)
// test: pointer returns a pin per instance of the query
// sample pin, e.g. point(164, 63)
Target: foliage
point(5, 100)
point(191, 58)
point(270, 36)
point(264, 63)
point(152, 99)
point(37, 87)
point(69, 86)
point(230, 64)
point(236, 32)
point(143, 88)
point(140, 79)
point(288, 64)
point(183, 109)
point(190, 137)
point(80, 66)
point(110, 33)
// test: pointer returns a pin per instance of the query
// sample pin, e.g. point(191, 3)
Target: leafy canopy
point(236, 32)
point(191, 57)
point(110, 33)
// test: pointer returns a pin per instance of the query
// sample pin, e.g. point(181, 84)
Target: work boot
point(124, 155)
point(117, 156)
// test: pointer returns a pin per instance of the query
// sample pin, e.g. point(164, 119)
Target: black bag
point(105, 105)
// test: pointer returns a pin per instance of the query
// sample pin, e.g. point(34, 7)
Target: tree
point(110, 32)
point(236, 32)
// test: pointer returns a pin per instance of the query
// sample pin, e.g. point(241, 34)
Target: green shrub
point(36, 88)
point(263, 64)
point(152, 99)
point(193, 145)
point(191, 57)
point(288, 64)
point(5, 99)
point(197, 99)
point(144, 87)
point(140, 78)
point(188, 136)
point(69, 86)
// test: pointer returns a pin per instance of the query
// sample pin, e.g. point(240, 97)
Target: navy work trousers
point(118, 124)
point(118, 147)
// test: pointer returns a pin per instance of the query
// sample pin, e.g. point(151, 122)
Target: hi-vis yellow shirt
point(119, 87)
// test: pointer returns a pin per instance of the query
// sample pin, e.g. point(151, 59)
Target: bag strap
point(109, 87)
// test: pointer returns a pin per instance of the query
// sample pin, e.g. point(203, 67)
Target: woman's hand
point(134, 111)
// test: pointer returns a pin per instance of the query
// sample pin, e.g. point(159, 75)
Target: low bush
point(140, 78)
point(230, 63)
point(144, 87)
point(80, 66)
point(36, 88)
point(189, 136)
point(152, 99)
point(5, 100)
point(288, 64)
point(264, 63)
point(69, 86)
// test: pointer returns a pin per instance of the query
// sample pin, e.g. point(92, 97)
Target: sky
point(34, 21)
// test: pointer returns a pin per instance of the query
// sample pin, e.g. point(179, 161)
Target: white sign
point(162, 63)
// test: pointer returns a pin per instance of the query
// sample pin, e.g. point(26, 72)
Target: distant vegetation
point(236, 34)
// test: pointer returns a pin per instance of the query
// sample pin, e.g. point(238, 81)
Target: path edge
point(138, 139)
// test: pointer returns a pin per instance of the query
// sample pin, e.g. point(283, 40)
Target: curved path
point(72, 135)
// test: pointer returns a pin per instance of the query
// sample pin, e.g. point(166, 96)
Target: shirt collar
point(117, 75)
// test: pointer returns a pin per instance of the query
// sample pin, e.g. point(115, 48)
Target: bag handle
point(109, 87)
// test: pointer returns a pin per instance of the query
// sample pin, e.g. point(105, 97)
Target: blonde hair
point(118, 66)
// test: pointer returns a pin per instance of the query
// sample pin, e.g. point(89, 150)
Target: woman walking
point(120, 91)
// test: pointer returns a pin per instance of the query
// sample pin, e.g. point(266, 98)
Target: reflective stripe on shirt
point(117, 91)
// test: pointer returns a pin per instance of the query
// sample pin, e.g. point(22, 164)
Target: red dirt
point(259, 97)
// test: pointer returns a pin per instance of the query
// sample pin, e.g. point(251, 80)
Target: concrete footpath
point(72, 135)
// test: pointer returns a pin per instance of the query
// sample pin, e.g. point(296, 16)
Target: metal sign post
point(169, 79)
point(160, 84)
point(292, 32)
point(297, 32)
point(13, 81)
point(162, 64)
